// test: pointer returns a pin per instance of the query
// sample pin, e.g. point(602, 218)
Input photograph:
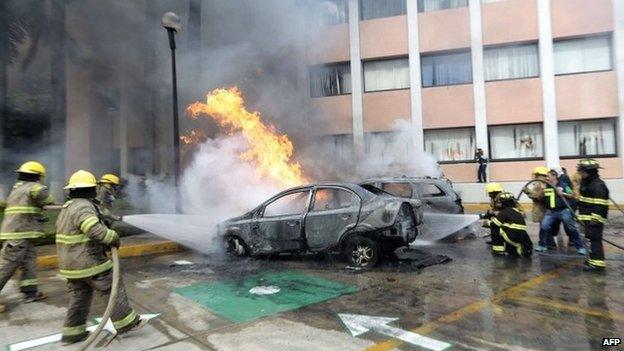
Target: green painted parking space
point(264, 294)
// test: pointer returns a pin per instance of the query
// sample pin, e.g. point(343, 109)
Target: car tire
point(235, 246)
point(361, 251)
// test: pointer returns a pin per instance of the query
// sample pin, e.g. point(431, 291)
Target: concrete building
point(531, 82)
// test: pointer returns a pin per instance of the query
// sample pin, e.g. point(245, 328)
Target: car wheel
point(236, 247)
point(361, 251)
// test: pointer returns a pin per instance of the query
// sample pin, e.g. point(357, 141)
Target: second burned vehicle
point(360, 222)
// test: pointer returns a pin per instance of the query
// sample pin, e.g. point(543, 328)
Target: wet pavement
point(473, 302)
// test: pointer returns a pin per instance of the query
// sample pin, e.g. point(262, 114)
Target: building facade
point(531, 82)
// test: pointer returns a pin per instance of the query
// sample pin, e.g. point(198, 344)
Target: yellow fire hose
point(569, 207)
point(111, 302)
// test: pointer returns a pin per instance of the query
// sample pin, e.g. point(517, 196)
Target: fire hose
point(565, 201)
point(111, 302)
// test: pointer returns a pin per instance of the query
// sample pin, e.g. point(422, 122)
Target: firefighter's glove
point(115, 242)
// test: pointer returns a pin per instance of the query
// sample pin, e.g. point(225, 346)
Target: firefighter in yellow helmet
point(82, 240)
point(22, 224)
point(535, 192)
point(492, 190)
point(593, 207)
point(107, 192)
point(508, 229)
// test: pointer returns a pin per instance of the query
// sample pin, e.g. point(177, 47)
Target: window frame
point(448, 162)
point(361, 12)
point(515, 159)
point(497, 46)
point(340, 23)
point(325, 187)
point(327, 65)
point(608, 35)
point(364, 62)
point(400, 182)
point(420, 9)
point(277, 197)
point(441, 53)
point(615, 122)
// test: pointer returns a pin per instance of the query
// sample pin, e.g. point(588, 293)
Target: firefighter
point(82, 240)
point(492, 190)
point(555, 195)
point(508, 228)
point(22, 223)
point(538, 211)
point(107, 193)
point(593, 206)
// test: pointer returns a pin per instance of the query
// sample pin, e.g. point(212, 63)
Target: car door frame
point(428, 200)
point(259, 214)
point(340, 235)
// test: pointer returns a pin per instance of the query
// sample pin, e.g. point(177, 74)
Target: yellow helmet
point(541, 170)
point(32, 167)
point(81, 179)
point(493, 188)
point(110, 179)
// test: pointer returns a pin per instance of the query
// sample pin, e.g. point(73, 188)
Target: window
point(332, 199)
point(382, 8)
point(446, 69)
point(332, 12)
point(431, 190)
point(386, 75)
point(435, 5)
point(291, 204)
point(582, 55)
point(490, 1)
point(330, 80)
point(398, 189)
point(387, 148)
point(516, 141)
point(450, 144)
point(587, 138)
point(511, 62)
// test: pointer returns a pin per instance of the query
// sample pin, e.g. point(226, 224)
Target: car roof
point(403, 178)
point(351, 186)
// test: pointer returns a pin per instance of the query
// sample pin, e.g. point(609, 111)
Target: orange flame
point(195, 137)
point(270, 152)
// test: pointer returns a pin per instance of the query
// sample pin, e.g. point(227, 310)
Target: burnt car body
point(360, 222)
point(437, 194)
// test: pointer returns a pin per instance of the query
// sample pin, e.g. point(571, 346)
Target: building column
point(478, 76)
point(549, 98)
point(418, 143)
point(618, 46)
point(356, 78)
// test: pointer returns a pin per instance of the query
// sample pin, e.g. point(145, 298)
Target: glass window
point(450, 144)
point(587, 138)
point(490, 1)
point(332, 12)
point(435, 5)
point(330, 80)
point(398, 189)
point(582, 55)
point(387, 148)
point(516, 141)
point(332, 199)
point(511, 62)
point(446, 69)
point(382, 8)
point(291, 204)
point(431, 190)
point(386, 75)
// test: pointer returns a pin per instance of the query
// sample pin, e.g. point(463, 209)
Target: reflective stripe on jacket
point(23, 210)
point(593, 202)
point(81, 240)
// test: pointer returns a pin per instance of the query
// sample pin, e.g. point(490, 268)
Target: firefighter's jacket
point(509, 233)
point(23, 215)
point(593, 201)
point(82, 240)
point(106, 196)
point(536, 194)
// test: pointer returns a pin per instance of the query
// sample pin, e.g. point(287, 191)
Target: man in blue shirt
point(556, 210)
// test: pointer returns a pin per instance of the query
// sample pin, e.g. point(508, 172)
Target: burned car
point(360, 222)
point(437, 194)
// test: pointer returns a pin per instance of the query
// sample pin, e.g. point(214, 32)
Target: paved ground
point(475, 302)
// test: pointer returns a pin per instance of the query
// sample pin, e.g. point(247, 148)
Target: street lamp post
point(172, 24)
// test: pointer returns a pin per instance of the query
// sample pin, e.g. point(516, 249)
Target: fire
point(269, 152)
point(195, 137)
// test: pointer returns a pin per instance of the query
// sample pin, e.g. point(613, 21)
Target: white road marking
point(28, 344)
point(359, 324)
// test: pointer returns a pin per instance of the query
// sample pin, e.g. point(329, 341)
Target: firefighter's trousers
point(81, 295)
point(19, 254)
point(593, 232)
